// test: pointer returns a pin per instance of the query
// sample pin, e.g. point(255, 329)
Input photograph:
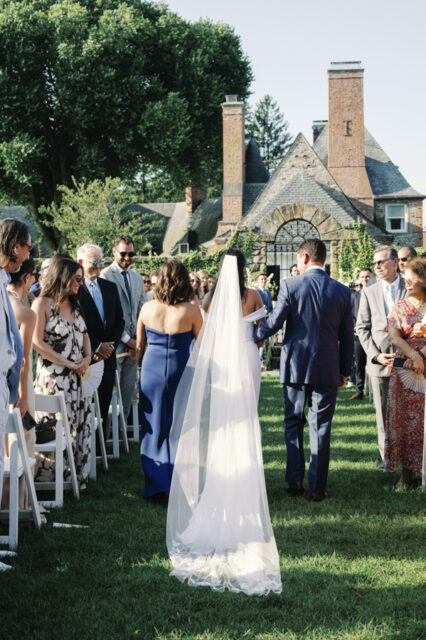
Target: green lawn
point(353, 566)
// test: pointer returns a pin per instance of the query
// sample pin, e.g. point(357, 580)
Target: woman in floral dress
point(405, 410)
point(63, 345)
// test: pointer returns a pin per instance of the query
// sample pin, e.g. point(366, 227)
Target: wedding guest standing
point(359, 353)
point(18, 288)
point(101, 305)
point(195, 284)
point(15, 247)
point(166, 328)
point(376, 303)
point(267, 303)
point(316, 359)
point(405, 254)
point(132, 296)
point(406, 403)
point(63, 345)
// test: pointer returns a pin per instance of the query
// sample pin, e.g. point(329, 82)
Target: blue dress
point(162, 368)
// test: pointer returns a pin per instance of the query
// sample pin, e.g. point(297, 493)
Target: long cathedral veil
point(219, 532)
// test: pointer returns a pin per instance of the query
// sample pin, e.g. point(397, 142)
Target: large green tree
point(269, 127)
point(92, 89)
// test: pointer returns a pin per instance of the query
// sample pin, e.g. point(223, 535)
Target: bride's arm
point(197, 322)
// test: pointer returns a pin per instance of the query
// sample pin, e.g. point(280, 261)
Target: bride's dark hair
point(241, 264)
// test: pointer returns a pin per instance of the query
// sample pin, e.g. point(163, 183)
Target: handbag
point(28, 421)
point(45, 430)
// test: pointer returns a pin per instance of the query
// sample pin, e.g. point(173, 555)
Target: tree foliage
point(270, 129)
point(99, 212)
point(93, 89)
point(355, 253)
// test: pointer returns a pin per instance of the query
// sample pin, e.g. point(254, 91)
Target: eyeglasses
point(403, 259)
point(123, 254)
point(25, 244)
point(147, 281)
point(97, 262)
point(409, 282)
point(78, 278)
point(379, 263)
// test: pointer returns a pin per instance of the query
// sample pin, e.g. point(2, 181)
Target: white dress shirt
point(390, 293)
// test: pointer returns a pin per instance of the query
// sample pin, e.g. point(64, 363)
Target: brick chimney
point(233, 163)
point(193, 197)
point(346, 149)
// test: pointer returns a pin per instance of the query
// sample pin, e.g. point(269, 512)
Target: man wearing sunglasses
point(101, 305)
point(405, 254)
point(375, 305)
point(132, 296)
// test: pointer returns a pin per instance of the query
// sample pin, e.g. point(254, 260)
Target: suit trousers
point(380, 388)
point(360, 362)
point(127, 373)
point(4, 412)
point(321, 401)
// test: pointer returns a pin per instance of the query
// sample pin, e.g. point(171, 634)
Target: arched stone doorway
point(284, 228)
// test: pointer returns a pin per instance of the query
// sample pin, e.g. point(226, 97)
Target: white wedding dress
point(219, 532)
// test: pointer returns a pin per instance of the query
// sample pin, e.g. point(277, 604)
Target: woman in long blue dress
point(166, 327)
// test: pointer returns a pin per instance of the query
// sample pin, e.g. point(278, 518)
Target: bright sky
point(291, 43)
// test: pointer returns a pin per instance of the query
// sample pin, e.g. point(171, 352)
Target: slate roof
point(385, 178)
point(256, 172)
point(301, 177)
point(195, 229)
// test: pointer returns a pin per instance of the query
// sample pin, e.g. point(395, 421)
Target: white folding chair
point(62, 442)
point(117, 416)
point(97, 426)
point(134, 428)
point(18, 464)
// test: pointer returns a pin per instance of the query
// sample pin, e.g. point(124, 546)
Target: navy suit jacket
point(319, 333)
point(113, 328)
point(266, 299)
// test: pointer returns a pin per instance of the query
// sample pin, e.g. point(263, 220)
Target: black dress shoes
point(317, 497)
point(296, 489)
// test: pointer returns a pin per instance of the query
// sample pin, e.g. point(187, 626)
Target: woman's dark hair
point(418, 267)
point(241, 264)
point(28, 266)
point(57, 283)
point(173, 285)
point(12, 232)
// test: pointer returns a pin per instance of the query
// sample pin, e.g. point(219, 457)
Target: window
point(184, 247)
point(395, 217)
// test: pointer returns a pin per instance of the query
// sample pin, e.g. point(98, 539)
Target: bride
point(219, 532)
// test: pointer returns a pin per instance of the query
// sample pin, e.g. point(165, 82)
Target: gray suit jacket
point(371, 326)
point(130, 311)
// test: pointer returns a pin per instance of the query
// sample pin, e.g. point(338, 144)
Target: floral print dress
point(405, 410)
point(66, 339)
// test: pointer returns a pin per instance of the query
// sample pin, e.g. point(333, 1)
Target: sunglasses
point(78, 278)
point(378, 263)
point(97, 262)
point(403, 259)
point(147, 281)
point(123, 254)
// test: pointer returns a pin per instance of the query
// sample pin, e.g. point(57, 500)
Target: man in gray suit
point(374, 307)
point(132, 296)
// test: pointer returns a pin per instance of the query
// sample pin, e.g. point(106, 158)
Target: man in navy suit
point(267, 303)
point(104, 319)
point(316, 360)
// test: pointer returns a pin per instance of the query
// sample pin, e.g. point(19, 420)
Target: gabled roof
point(302, 177)
point(385, 178)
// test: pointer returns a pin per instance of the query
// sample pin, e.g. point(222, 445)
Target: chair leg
point(135, 417)
point(92, 472)
point(59, 469)
point(114, 423)
point(13, 497)
point(123, 420)
point(101, 433)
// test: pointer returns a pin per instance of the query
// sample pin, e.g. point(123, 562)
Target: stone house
point(318, 190)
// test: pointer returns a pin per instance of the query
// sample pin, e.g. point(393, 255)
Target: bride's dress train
point(219, 532)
